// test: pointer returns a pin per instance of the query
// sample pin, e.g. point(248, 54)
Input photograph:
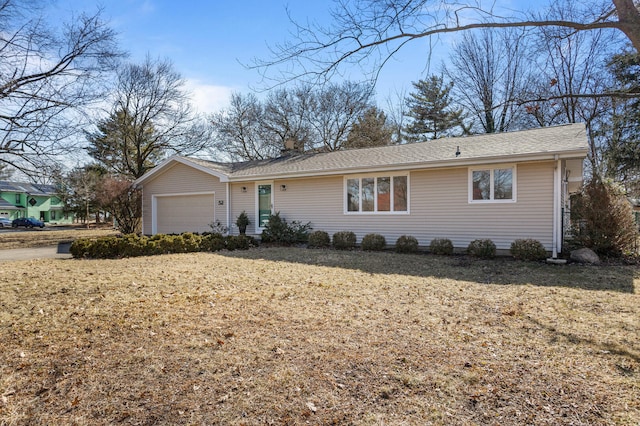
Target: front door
point(265, 204)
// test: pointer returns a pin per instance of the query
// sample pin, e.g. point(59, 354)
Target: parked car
point(27, 222)
point(4, 222)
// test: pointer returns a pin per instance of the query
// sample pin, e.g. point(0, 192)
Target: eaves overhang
point(416, 165)
point(176, 159)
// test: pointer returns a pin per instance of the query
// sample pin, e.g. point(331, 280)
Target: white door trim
point(258, 184)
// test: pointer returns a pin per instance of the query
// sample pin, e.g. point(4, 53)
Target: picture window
point(377, 194)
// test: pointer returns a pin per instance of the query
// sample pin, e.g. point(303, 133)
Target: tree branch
point(364, 27)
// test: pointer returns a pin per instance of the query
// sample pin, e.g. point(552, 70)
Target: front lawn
point(298, 336)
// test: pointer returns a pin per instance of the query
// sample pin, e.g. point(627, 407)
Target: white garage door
point(184, 213)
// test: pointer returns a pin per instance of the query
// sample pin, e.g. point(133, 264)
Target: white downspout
point(113, 220)
point(557, 188)
point(154, 215)
point(228, 209)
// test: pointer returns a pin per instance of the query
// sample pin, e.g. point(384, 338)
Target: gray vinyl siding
point(319, 201)
point(439, 205)
point(182, 179)
point(443, 209)
point(439, 208)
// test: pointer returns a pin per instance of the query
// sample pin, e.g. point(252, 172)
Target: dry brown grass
point(296, 336)
point(48, 236)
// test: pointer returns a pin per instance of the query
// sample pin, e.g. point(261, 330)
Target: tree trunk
point(87, 215)
point(629, 18)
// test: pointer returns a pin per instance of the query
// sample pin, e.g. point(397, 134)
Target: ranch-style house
point(503, 186)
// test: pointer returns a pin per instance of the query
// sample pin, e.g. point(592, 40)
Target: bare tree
point(286, 115)
point(397, 112)
point(47, 77)
point(315, 119)
point(123, 201)
point(6, 171)
point(370, 32)
point(152, 118)
point(490, 75)
point(77, 190)
point(336, 109)
point(572, 76)
point(239, 130)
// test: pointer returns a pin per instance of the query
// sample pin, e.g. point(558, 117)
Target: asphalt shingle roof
point(30, 188)
point(570, 138)
point(5, 205)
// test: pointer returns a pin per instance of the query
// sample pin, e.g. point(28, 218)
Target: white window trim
point(491, 168)
point(391, 175)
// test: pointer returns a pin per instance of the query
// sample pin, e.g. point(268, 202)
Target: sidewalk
point(60, 251)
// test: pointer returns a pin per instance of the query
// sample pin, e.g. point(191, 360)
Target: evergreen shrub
point(278, 230)
point(344, 240)
point(132, 245)
point(319, 239)
point(482, 248)
point(442, 246)
point(373, 242)
point(528, 249)
point(406, 244)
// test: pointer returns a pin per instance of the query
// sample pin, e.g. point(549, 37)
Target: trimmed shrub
point(133, 245)
point(168, 244)
point(80, 248)
point(239, 242)
point(319, 239)
point(528, 249)
point(406, 244)
point(103, 248)
point(484, 249)
point(109, 247)
point(212, 242)
point(344, 240)
point(373, 242)
point(277, 230)
point(442, 246)
point(190, 242)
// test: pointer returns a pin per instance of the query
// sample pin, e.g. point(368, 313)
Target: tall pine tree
point(124, 149)
point(622, 149)
point(433, 116)
point(370, 130)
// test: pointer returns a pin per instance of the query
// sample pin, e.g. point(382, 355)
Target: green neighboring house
point(19, 199)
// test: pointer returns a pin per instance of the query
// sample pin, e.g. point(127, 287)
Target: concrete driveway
point(60, 251)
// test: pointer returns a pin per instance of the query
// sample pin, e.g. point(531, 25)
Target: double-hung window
point(377, 194)
point(492, 184)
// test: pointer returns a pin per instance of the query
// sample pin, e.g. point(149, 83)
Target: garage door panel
point(185, 213)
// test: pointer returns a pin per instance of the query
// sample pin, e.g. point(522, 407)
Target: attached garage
point(177, 213)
